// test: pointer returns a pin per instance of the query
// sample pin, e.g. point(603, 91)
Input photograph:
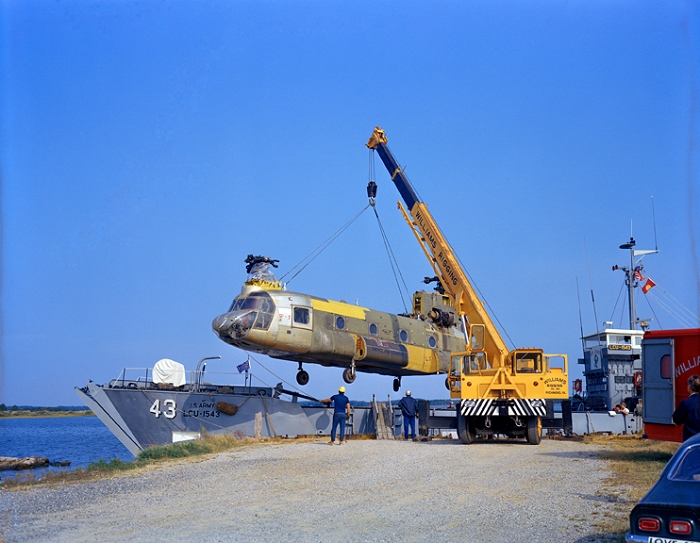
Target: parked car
point(670, 511)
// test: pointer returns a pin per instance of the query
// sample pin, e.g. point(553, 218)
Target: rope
point(612, 315)
point(318, 250)
point(654, 312)
point(674, 308)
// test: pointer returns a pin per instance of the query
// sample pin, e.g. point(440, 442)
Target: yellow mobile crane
point(501, 391)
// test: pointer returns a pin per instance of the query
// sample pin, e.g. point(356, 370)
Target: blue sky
point(148, 147)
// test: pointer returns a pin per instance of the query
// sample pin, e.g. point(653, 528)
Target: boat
point(160, 406)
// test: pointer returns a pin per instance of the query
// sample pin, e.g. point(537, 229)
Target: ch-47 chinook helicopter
point(264, 318)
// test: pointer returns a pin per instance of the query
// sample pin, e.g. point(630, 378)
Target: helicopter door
point(657, 380)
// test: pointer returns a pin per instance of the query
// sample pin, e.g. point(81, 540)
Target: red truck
point(669, 358)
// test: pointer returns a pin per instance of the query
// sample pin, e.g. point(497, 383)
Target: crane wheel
point(534, 430)
point(465, 429)
point(302, 377)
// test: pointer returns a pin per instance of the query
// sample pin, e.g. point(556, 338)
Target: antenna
point(653, 213)
point(580, 319)
point(590, 281)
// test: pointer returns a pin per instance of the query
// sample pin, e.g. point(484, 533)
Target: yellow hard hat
point(341, 389)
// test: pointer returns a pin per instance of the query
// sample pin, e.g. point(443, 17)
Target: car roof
point(675, 492)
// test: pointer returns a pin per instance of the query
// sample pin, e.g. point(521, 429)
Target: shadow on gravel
point(602, 538)
point(574, 454)
point(607, 498)
point(477, 443)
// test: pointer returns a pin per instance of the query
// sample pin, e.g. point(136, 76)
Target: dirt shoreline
point(365, 491)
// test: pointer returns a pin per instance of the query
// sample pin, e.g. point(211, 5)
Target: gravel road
point(365, 491)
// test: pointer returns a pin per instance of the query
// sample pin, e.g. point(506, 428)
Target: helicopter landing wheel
point(349, 375)
point(302, 377)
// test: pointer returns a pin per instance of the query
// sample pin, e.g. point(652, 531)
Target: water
point(81, 440)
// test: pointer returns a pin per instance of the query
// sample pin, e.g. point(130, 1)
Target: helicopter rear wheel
point(302, 377)
point(397, 384)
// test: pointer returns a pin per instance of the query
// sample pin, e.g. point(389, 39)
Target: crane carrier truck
point(500, 391)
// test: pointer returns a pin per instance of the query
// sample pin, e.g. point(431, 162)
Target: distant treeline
point(59, 408)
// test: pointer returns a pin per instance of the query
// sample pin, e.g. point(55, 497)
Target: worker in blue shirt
point(688, 411)
point(409, 409)
point(341, 411)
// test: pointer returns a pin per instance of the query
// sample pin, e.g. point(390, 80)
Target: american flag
point(243, 367)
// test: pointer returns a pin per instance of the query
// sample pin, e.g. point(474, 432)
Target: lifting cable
point(392, 261)
point(318, 250)
point(390, 252)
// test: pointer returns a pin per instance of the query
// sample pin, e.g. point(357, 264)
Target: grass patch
point(635, 465)
point(209, 444)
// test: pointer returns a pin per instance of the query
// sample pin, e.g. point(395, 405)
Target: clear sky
point(148, 147)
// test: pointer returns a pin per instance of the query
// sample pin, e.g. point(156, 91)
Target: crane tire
point(465, 430)
point(534, 430)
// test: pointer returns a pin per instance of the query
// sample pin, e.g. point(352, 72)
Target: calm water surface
point(81, 440)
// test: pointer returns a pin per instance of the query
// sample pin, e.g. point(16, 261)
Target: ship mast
point(633, 275)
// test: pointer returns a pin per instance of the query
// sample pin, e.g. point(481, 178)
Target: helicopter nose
point(222, 323)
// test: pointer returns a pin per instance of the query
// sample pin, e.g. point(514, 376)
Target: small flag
point(638, 274)
point(243, 367)
point(648, 286)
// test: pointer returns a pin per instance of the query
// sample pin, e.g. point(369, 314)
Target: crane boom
point(443, 260)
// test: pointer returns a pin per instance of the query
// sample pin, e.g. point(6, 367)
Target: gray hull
point(142, 417)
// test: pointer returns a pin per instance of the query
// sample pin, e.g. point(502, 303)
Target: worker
point(688, 411)
point(409, 409)
point(341, 412)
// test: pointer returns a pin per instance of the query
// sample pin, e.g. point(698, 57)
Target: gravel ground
point(365, 491)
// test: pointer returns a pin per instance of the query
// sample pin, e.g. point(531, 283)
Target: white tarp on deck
point(169, 372)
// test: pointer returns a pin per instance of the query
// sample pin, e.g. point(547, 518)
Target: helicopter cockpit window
point(261, 303)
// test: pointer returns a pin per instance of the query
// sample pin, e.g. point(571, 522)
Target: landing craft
point(266, 319)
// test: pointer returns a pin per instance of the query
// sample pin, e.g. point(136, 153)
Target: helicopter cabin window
point(432, 342)
point(373, 329)
point(403, 335)
point(301, 315)
point(340, 323)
